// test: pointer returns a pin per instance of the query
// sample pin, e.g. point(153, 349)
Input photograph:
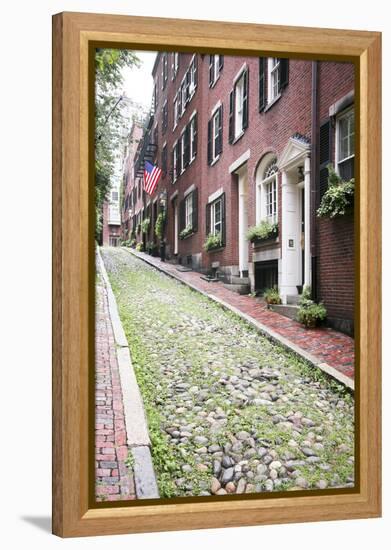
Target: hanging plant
point(338, 199)
point(145, 225)
point(159, 225)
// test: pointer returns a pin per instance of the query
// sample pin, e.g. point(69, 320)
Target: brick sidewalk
point(331, 347)
point(114, 481)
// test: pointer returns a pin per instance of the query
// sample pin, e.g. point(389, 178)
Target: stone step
point(236, 280)
point(293, 299)
point(239, 289)
point(289, 311)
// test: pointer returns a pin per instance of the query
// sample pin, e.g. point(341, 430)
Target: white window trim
point(341, 115)
point(174, 176)
point(238, 130)
point(182, 149)
point(191, 119)
point(176, 111)
point(215, 195)
point(261, 199)
point(193, 91)
point(215, 115)
point(270, 97)
point(213, 216)
point(189, 210)
point(189, 190)
point(216, 74)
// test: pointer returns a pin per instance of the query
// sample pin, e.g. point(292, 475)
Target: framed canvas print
point(216, 199)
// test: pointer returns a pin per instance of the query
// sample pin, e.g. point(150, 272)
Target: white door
point(175, 227)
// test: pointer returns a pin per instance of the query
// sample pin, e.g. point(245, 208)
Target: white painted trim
point(239, 73)
point(341, 104)
point(189, 190)
point(340, 115)
point(239, 161)
point(214, 109)
point(175, 194)
point(215, 195)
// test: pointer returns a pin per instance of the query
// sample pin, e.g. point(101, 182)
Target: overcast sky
point(138, 83)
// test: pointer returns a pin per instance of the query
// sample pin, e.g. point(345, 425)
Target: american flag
point(151, 177)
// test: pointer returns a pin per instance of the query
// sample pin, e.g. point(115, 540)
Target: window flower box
point(213, 242)
point(262, 233)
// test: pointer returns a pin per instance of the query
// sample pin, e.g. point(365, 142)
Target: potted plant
point(339, 198)
point(310, 313)
point(212, 242)
point(139, 247)
point(272, 296)
point(263, 231)
point(186, 232)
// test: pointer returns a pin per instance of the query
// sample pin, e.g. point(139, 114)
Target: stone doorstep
point(135, 420)
point(287, 310)
point(262, 329)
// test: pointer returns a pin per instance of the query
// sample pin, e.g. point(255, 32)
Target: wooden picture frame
point(73, 36)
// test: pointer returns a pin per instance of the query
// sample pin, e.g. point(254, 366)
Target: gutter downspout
point(314, 182)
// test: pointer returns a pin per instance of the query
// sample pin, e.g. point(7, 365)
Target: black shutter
point(194, 221)
point(178, 149)
point(245, 99)
point(231, 116)
point(173, 164)
point(186, 157)
point(187, 87)
point(182, 215)
point(219, 141)
point(195, 71)
point(221, 62)
point(210, 141)
point(262, 83)
point(195, 127)
point(211, 70)
point(324, 157)
point(284, 73)
point(223, 230)
point(207, 219)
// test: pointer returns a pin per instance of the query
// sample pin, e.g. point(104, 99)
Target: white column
point(243, 221)
point(290, 238)
point(307, 222)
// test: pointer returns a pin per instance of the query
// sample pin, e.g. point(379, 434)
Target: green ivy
point(212, 241)
point(159, 225)
point(145, 225)
point(338, 199)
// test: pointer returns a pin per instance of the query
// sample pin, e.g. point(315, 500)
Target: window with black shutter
point(219, 139)
point(182, 215)
point(164, 70)
point(345, 134)
point(193, 137)
point(284, 74)
point(165, 118)
point(164, 160)
point(186, 143)
point(215, 218)
point(210, 141)
point(211, 70)
point(324, 157)
point(195, 210)
point(231, 117)
point(262, 83)
point(245, 100)
point(215, 135)
point(238, 107)
point(216, 63)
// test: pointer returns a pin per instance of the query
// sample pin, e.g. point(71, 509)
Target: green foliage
point(151, 247)
point(186, 232)
point(145, 225)
point(310, 314)
point(129, 461)
point(159, 225)
point(272, 296)
point(212, 241)
point(139, 247)
point(109, 121)
point(263, 231)
point(339, 197)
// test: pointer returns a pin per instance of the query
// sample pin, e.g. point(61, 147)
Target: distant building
point(246, 139)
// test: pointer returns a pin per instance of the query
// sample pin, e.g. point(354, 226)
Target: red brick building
point(245, 139)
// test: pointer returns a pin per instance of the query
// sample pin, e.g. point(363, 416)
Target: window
point(155, 98)
point(215, 135)
point(273, 78)
point(215, 218)
point(345, 145)
point(114, 195)
point(216, 63)
point(176, 111)
point(174, 64)
point(182, 151)
point(189, 210)
point(192, 78)
point(164, 117)
point(184, 94)
point(267, 192)
point(193, 137)
point(164, 160)
point(164, 70)
point(238, 107)
point(175, 162)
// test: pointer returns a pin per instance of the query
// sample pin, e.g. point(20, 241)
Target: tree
point(109, 120)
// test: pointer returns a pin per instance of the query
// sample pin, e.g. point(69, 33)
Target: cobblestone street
point(228, 411)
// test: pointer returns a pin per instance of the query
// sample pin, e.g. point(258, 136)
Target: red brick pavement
point(114, 481)
point(331, 347)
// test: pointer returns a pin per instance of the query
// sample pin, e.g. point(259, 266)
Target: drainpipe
point(314, 183)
